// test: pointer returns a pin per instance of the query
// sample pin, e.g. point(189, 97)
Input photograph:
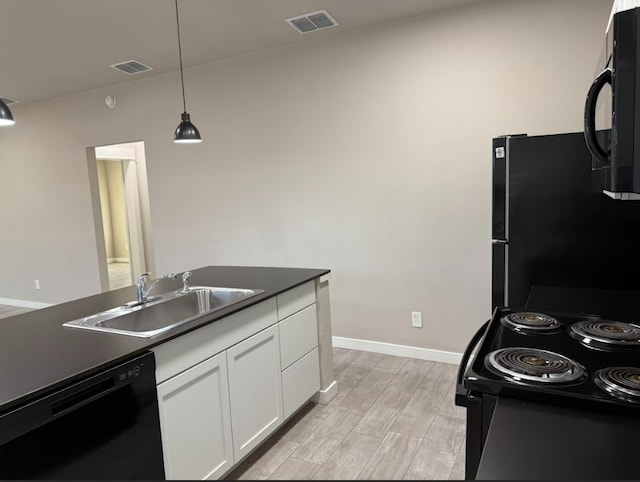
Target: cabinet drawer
point(300, 382)
point(295, 299)
point(298, 335)
point(183, 352)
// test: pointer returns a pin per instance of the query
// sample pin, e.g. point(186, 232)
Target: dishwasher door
point(106, 426)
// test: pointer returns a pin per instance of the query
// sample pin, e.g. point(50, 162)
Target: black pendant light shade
point(6, 119)
point(186, 132)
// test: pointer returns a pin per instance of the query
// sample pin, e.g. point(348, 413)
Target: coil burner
point(606, 334)
point(533, 365)
point(530, 323)
point(620, 382)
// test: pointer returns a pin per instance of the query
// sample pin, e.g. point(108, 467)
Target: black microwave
point(613, 102)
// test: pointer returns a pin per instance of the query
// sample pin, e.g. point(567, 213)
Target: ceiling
point(55, 47)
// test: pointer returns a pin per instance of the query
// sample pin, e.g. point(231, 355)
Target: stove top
point(576, 359)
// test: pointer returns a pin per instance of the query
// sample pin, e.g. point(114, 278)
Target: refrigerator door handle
point(593, 145)
point(499, 241)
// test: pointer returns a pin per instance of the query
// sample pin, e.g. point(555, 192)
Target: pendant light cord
point(184, 102)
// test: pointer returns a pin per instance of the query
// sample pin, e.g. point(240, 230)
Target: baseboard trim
point(325, 396)
point(398, 350)
point(117, 260)
point(24, 303)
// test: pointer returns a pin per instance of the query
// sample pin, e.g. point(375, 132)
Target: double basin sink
point(163, 312)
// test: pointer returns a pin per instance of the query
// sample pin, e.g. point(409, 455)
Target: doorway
point(122, 220)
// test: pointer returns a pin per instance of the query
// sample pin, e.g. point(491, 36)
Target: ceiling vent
point(131, 67)
point(312, 21)
point(8, 101)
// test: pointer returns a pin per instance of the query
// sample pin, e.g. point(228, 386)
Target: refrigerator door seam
point(506, 274)
point(506, 220)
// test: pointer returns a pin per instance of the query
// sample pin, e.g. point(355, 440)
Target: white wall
point(367, 153)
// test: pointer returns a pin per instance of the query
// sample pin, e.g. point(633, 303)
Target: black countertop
point(536, 441)
point(37, 353)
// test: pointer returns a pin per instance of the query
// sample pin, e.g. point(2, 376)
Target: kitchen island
point(38, 354)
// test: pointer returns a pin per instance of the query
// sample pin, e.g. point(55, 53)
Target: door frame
point(137, 206)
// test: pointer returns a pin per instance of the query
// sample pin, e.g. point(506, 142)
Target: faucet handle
point(185, 280)
point(141, 287)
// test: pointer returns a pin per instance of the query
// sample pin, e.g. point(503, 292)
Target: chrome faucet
point(185, 281)
point(141, 285)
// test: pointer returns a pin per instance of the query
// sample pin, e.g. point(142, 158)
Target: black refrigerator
point(559, 243)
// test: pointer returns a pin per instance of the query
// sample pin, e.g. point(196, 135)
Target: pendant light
point(6, 119)
point(186, 132)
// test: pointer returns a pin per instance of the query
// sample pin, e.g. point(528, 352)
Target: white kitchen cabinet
point(255, 389)
point(195, 420)
point(299, 359)
point(298, 335)
point(185, 351)
point(300, 382)
point(227, 386)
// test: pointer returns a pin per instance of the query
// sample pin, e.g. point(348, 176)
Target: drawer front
point(183, 352)
point(296, 299)
point(298, 335)
point(300, 382)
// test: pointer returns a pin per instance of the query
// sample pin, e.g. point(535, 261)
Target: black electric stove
point(564, 358)
point(580, 361)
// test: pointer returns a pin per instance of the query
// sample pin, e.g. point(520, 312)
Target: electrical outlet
point(37, 284)
point(416, 319)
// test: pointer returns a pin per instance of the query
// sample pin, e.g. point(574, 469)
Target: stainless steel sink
point(164, 312)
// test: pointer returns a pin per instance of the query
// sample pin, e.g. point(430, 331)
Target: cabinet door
point(195, 421)
point(255, 389)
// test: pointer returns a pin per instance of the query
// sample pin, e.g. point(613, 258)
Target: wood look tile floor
point(393, 418)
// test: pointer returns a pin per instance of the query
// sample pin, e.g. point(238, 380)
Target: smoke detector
point(110, 100)
point(312, 21)
point(131, 67)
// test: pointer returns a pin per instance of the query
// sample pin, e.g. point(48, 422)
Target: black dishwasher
point(105, 426)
